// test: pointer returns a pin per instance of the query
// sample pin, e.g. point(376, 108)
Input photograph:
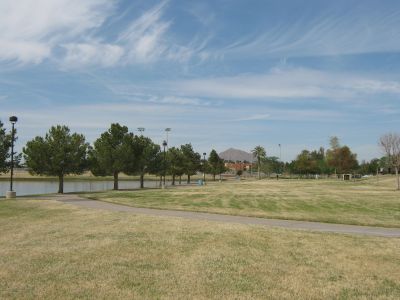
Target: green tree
point(305, 163)
point(113, 153)
point(144, 158)
point(191, 161)
point(221, 167)
point(271, 164)
point(161, 165)
point(176, 166)
point(340, 158)
point(369, 167)
point(332, 154)
point(214, 163)
point(347, 161)
point(259, 153)
point(5, 146)
point(59, 153)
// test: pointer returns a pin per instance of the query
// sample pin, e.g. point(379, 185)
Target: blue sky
point(221, 73)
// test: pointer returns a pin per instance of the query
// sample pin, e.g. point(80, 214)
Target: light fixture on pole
point(11, 193)
point(204, 167)
point(280, 152)
point(165, 144)
point(141, 129)
point(280, 158)
point(167, 130)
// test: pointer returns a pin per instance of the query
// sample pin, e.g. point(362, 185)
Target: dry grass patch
point(365, 202)
point(56, 251)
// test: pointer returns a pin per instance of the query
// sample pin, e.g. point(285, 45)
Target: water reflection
point(24, 188)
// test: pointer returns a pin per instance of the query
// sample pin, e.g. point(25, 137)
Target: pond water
point(24, 188)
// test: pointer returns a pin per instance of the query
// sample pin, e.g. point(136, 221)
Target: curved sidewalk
point(301, 225)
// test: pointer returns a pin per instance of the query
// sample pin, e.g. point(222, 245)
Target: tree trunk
point(213, 177)
point(61, 184)
point(180, 179)
point(398, 178)
point(173, 179)
point(116, 180)
point(141, 181)
point(188, 179)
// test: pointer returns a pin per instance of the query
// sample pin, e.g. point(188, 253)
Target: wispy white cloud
point(151, 94)
point(202, 13)
point(32, 31)
point(97, 54)
point(174, 100)
point(376, 86)
point(146, 40)
point(287, 83)
point(293, 115)
point(23, 52)
point(326, 33)
point(144, 37)
point(29, 30)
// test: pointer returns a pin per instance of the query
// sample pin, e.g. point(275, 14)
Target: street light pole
point(141, 129)
point(280, 158)
point(11, 193)
point(204, 167)
point(167, 130)
point(280, 152)
point(165, 163)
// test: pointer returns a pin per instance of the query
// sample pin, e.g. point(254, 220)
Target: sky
point(219, 73)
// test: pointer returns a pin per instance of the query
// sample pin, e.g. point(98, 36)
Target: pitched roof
point(236, 155)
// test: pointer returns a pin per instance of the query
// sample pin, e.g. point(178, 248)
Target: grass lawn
point(51, 250)
point(365, 202)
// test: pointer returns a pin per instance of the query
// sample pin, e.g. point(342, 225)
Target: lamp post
point(280, 152)
point(167, 130)
point(280, 161)
point(11, 193)
point(141, 129)
point(280, 157)
point(204, 167)
point(165, 163)
point(251, 164)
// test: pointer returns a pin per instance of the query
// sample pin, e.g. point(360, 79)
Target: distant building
point(236, 159)
point(236, 166)
point(234, 155)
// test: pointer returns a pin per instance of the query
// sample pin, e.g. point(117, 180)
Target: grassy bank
point(365, 202)
point(55, 251)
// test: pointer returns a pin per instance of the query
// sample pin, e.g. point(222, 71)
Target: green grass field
point(366, 202)
point(51, 250)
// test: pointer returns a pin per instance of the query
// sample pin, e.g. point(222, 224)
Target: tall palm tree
point(260, 153)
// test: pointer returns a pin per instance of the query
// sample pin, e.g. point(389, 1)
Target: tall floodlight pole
point(204, 167)
point(165, 163)
point(280, 152)
point(11, 193)
point(141, 129)
point(280, 156)
point(167, 130)
point(251, 164)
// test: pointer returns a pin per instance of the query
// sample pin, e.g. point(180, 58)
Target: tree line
point(61, 152)
point(338, 159)
point(117, 150)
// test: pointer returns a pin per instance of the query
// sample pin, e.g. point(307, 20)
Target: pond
point(24, 188)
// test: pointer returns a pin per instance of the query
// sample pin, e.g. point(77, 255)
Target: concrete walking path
point(290, 224)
